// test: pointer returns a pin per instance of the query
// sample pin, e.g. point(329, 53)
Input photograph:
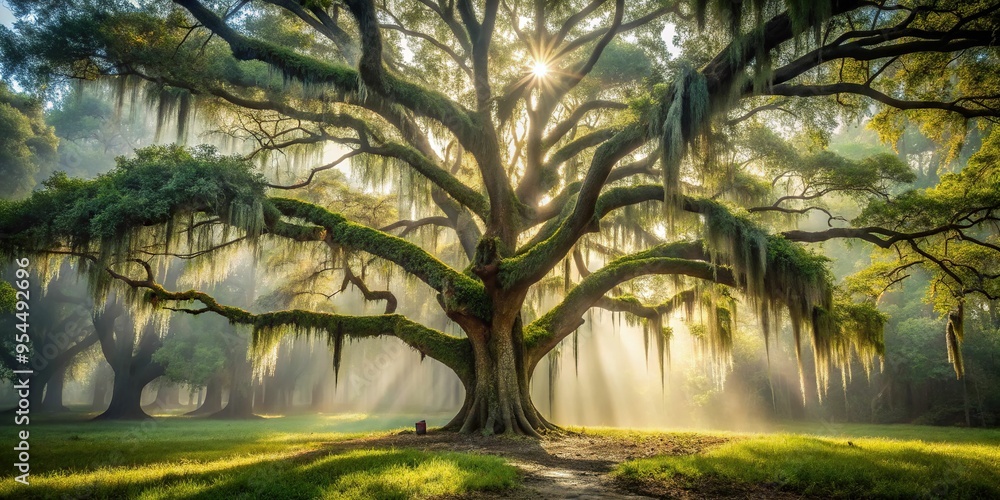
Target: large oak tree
point(537, 134)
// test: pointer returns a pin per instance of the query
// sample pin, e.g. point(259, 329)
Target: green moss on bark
point(270, 328)
point(458, 289)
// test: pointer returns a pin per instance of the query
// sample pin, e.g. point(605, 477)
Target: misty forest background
point(200, 366)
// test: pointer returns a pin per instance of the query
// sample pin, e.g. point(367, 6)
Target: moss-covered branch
point(270, 328)
point(685, 258)
point(771, 271)
point(470, 198)
point(531, 265)
point(557, 230)
point(453, 352)
point(369, 295)
point(423, 102)
point(631, 305)
point(289, 62)
point(111, 217)
point(108, 214)
point(460, 292)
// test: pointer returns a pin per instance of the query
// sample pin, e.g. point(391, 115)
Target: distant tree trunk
point(213, 397)
point(979, 398)
point(240, 404)
point(241, 386)
point(267, 394)
point(271, 403)
point(965, 400)
point(909, 403)
point(101, 386)
point(171, 395)
point(37, 381)
point(167, 396)
point(53, 401)
point(318, 402)
point(258, 396)
point(278, 391)
point(46, 369)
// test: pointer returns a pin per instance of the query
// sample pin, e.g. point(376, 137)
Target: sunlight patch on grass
point(641, 434)
point(130, 479)
point(358, 474)
point(336, 417)
point(893, 431)
point(83, 446)
point(871, 467)
point(411, 474)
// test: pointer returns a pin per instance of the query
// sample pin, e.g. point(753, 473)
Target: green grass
point(288, 457)
point(915, 462)
point(299, 457)
point(894, 431)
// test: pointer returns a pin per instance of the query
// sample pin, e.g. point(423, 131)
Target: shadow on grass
point(361, 474)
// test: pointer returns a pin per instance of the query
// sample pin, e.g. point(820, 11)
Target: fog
point(611, 372)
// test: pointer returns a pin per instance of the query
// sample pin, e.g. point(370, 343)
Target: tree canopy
point(540, 140)
point(27, 143)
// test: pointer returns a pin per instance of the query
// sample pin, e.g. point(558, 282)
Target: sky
point(6, 16)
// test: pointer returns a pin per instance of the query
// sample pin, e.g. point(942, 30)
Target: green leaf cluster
point(8, 297)
point(153, 187)
point(27, 143)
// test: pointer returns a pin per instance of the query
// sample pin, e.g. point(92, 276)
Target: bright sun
point(539, 69)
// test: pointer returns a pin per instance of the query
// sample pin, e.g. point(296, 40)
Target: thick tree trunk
point(498, 398)
point(53, 401)
point(213, 397)
point(126, 399)
point(132, 372)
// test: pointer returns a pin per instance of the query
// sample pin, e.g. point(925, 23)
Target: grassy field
point(847, 461)
point(308, 457)
point(268, 458)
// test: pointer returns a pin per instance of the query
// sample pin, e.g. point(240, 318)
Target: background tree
point(128, 345)
point(194, 355)
point(59, 332)
point(27, 143)
point(94, 127)
point(8, 297)
point(512, 125)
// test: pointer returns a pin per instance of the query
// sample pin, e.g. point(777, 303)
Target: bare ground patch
point(573, 465)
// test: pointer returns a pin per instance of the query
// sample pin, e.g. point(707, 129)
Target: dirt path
point(566, 466)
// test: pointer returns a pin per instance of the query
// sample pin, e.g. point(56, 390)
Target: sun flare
point(539, 69)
